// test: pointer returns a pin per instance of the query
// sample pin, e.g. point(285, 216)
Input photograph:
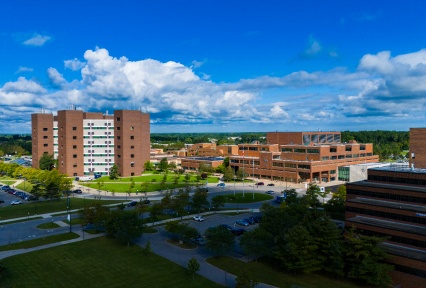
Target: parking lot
point(7, 198)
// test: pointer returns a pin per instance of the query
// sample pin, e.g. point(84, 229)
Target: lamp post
point(253, 178)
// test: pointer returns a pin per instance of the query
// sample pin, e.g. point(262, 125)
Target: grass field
point(41, 207)
point(39, 242)
point(269, 274)
point(95, 263)
point(248, 197)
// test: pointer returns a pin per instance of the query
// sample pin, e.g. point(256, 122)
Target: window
point(287, 150)
point(132, 137)
point(118, 146)
point(132, 155)
point(348, 148)
point(45, 129)
point(74, 128)
point(74, 137)
point(333, 150)
point(118, 119)
point(45, 145)
point(74, 165)
point(118, 137)
point(362, 147)
point(299, 150)
point(132, 164)
point(118, 128)
point(45, 137)
point(74, 156)
point(74, 146)
point(132, 147)
point(132, 174)
point(132, 128)
point(118, 156)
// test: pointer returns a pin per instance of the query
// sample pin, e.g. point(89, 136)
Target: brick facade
point(42, 136)
point(392, 204)
point(418, 147)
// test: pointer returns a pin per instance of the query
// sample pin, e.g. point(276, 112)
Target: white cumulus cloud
point(74, 64)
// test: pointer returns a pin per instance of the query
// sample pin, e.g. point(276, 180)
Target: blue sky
point(217, 65)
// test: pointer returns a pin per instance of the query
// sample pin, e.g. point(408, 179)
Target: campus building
point(86, 143)
point(391, 203)
point(301, 156)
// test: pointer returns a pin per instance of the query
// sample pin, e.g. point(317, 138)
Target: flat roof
point(401, 168)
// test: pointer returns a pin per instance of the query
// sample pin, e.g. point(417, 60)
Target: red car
point(260, 183)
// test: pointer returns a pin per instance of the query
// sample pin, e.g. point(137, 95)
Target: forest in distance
point(388, 145)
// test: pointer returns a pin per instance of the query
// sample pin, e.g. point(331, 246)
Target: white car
point(17, 202)
point(198, 218)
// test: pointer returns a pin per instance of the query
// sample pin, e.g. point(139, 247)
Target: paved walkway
point(159, 246)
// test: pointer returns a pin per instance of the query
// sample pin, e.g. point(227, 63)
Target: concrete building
point(301, 156)
point(86, 143)
point(358, 172)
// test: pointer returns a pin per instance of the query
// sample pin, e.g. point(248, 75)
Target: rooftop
point(390, 204)
point(396, 226)
point(400, 168)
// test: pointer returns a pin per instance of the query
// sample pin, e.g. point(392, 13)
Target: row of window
point(98, 155)
point(398, 197)
point(397, 180)
point(405, 218)
point(94, 160)
point(396, 239)
point(253, 148)
point(97, 164)
point(99, 146)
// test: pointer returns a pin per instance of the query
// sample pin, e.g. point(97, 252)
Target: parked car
point(146, 201)
point(256, 219)
point(250, 221)
point(271, 184)
point(221, 185)
point(131, 204)
point(260, 183)
point(226, 226)
point(238, 231)
point(15, 202)
point(77, 191)
point(199, 241)
point(198, 218)
point(270, 192)
point(242, 223)
point(1, 201)
point(5, 187)
point(31, 198)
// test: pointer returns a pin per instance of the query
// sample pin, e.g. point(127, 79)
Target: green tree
point(228, 175)
point(244, 280)
point(123, 226)
point(155, 211)
point(219, 240)
point(365, 259)
point(193, 267)
point(257, 242)
point(180, 202)
point(199, 199)
point(113, 173)
point(241, 174)
point(95, 214)
point(218, 201)
point(46, 162)
point(226, 162)
point(312, 194)
point(148, 166)
point(147, 250)
point(163, 165)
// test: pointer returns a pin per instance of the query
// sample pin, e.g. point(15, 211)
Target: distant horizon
point(216, 65)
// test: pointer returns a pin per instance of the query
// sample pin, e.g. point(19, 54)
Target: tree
point(244, 280)
point(364, 258)
point(96, 215)
point(155, 211)
point(148, 166)
point(226, 162)
point(193, 267)
point(219, 240)
point(241, 174)
point(312, 195)
point(147, 250)
point(46, 162)
point(181, 231)
point(257, 242)
point(228, 175)
point(113, 172)
point(123, 226)
point(164, 164)
point(180, 201)
point(218, 201)
point(199, 199)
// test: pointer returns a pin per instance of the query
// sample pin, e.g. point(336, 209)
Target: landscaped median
point(39, 242)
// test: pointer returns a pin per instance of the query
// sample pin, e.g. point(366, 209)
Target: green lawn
point(270, 274)
point(95, 263)
point(248, 197)
point(39, 242)
point(48, 225)
point(7, 182)
point(47, 206)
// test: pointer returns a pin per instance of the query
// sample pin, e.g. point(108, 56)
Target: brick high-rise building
point(86, 143)
point(418, 147)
